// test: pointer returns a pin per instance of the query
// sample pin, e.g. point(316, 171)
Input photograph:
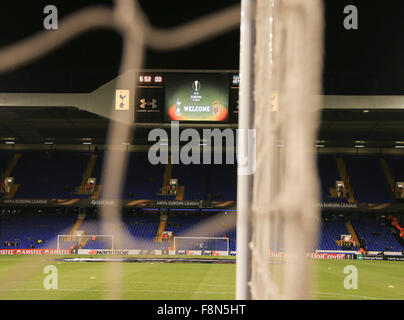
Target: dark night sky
point(364, 61)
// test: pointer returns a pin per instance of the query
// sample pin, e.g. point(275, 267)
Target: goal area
point(201, 243)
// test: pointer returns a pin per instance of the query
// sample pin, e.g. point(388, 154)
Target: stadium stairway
point(166, 177)
point(344, 176)
point(12, 192)
point(166, 181)
point(11, 166)
point(87, 174)
point(97, 192)
point(180, 192)
point(8, 173)
point(160, 228)
point(352, 232)
point(388, 175)
point(78, 223)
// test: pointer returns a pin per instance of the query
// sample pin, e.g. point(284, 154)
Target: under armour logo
point(144, 103)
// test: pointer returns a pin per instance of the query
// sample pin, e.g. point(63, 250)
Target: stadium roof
point(69, 125)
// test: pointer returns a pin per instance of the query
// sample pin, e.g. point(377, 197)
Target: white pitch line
point(347, 295)
point(100, 290)
point(132, 283)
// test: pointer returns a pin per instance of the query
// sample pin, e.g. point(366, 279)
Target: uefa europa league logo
point(196, 86)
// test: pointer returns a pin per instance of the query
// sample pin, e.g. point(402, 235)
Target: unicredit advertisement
point(197, 97)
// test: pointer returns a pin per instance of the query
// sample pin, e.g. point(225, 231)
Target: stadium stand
point(328, 174)
point(193, 226)
point(376, 234)
point(45, 176)
point(396, 166)
point(367, 179)
point(58, 175)
point(26, 229)
point(330, 231)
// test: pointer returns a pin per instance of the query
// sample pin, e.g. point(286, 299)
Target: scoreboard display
point(187, 97)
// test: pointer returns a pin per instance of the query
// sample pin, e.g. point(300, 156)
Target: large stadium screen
point(197, 97)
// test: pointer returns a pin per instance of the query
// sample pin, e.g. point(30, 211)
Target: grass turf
point(22, 278)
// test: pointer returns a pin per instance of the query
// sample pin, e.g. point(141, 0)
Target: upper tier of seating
point(396, 165)
point(42, 176)
point(58, 176)
point(367, 179)
point(328, 175)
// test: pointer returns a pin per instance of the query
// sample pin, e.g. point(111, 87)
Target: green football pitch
point(23, 278)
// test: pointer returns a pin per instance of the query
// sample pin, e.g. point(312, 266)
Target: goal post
point(64, 241)
point(202, 243)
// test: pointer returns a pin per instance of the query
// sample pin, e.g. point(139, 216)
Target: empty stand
point(376, 234)
point(42, 175)
point(367, 179)
point(26, 229)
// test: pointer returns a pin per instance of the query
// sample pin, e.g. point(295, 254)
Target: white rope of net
point(288, 64)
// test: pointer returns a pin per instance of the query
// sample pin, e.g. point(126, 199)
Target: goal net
point(85, 241)
point(201, 243)
point(287, 87)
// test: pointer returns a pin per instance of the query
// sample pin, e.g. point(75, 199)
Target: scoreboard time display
point(186, 97)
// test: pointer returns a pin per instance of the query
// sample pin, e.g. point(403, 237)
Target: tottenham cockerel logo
point(144, 104)
point(122, 97)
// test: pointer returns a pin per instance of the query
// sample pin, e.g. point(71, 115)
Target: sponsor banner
point(326, 205)
point(394, 258)
point(275, 254)
point(107, 252)
point(179, 204)
point(233, 253)
point(122, 252)
point(214, 253)
point(202, 253)
point(189, 252)
point(328, 256)
point(182, 204)
point(33, 252)
point(360, 257)
point(44, 202)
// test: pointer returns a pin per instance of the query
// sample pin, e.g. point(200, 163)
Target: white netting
point(285, 186)
point(288, 64)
